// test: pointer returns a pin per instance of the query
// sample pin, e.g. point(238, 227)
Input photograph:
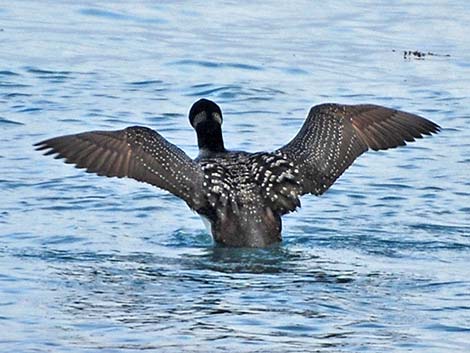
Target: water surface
point(379, 263)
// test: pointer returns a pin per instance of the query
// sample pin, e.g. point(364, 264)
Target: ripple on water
point(216, 64)
point(114, 16)
point(8, 73)
point(239, 92)
point(4, 121)
point(146, 83)
point(10, 85)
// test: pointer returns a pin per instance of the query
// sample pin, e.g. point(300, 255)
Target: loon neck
point(209, 139)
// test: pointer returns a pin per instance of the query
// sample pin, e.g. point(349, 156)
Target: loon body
point(243, 195)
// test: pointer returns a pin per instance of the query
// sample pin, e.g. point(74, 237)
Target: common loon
point(243, 195)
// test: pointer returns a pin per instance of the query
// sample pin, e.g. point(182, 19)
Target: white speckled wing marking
point(244, 182)
point(278, 179)
point(334, 135)
point(135, 152)
point(228, 184)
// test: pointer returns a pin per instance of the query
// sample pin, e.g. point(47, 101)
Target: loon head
point(206, 118)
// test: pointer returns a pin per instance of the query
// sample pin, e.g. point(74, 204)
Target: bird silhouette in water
point(243, 195)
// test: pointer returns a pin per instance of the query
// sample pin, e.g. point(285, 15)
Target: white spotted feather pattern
point(243, 195)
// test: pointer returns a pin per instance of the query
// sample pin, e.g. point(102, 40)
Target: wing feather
point(135, 152)
point(334, 135)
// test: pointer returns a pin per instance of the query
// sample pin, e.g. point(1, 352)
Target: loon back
point(246, 194)
point(243, 195)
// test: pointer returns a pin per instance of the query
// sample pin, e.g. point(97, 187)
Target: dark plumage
point(243, 195)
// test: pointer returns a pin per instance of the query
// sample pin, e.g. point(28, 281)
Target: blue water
point(380, 263)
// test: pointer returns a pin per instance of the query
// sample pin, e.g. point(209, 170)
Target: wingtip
point(45, 148)
point(433, 128)
point(42, 145)
point(39, 145)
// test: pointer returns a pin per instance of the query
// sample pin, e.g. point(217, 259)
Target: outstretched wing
point(334, 135)
point(135, 152)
